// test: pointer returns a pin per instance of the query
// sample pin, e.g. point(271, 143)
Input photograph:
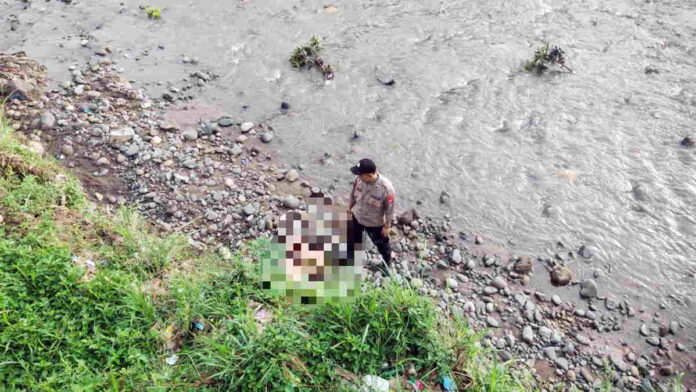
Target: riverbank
point(217, 184)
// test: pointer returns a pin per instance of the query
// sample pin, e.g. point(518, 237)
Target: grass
point(92, 300)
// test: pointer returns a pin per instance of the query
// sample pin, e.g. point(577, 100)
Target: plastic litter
point(417, 384)
point(448, 384)
point(375, 384)
point(171, 361)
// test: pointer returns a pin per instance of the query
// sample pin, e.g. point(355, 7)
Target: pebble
point(644, 330)
point(588, 288)
point(499, 282)
point(452, 283)
point(246, 127)
point(562, 363)
point(456, 256)
point(653, 340)
point(556, 300)
point(225, 122)
point(528, 334)
point(291, 202)
point(489, 290)
point(67, 150)
point(190, 135)
point(618, 362)
point(493, 323)
point(267, 137)
point(545, 332)
point(582, 339)
point(292, 175)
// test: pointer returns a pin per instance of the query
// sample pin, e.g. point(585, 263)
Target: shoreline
point(220, 183)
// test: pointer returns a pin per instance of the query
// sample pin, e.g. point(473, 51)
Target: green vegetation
point(91, 300)
point(308, 56)
point(153, 12)
point(545, 56)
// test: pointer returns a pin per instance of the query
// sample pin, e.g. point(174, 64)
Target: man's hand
point(385, 230)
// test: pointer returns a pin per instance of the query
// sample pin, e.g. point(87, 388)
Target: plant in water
point(153, 12)
point(308, 56)
point(544, 57)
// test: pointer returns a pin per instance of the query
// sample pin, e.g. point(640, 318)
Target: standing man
point(372, 205)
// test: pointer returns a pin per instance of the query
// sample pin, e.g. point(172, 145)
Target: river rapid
point(590, 157)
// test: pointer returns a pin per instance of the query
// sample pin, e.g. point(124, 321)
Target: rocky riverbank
point(218, 182)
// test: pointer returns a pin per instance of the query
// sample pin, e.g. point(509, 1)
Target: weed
point(545, 56)
point(153, 12)
point(309, 56)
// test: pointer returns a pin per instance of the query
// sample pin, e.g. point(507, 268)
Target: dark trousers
point(355, 235)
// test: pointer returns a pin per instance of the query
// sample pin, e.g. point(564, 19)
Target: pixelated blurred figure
point(311, 260)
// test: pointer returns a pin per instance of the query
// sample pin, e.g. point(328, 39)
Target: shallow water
point(590, 157)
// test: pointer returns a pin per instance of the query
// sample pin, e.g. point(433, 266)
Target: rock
point(523, 265)
point(119, 137)
point(618, 362)
point(644, 330)
point(444, 198)
point(653, 340)
point(489, 290)
point(471, 264)
point(499, 282)
point(570, 375)
point(36, 147)
point(561, 275)
point(23, 88)
point(103, 161)
point(225, 122)
point(456, 256)
point(48, 120)
point(292, 175)
point(550, 353)
point(67, 150)
point(585, 252)
point(132, 150)
point(246, 127)
point(469, 307)
point(561, 363)
point(291, 202)
point(680, 347)
point(673, 327)
point(190, 135)
point(375, 384)
point(267, 137)
point(528, 334)
point(478, 240)
point(588, 288)
point(610, 304)
point(493, 323)
point(587, 375)
point(249, 209)
point(452, 283)
point(556, 300)
point(545, 333)
point(284, 106)
point(406, 218)
point(688, 141)
point(582, 339)
point(667, 370)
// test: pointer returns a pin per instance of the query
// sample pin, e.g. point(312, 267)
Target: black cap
point(365, 166)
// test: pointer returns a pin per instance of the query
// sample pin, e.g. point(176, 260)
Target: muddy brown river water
point(590, 157)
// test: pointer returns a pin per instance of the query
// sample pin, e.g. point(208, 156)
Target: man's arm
point(389, 208)
point(351, 203)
